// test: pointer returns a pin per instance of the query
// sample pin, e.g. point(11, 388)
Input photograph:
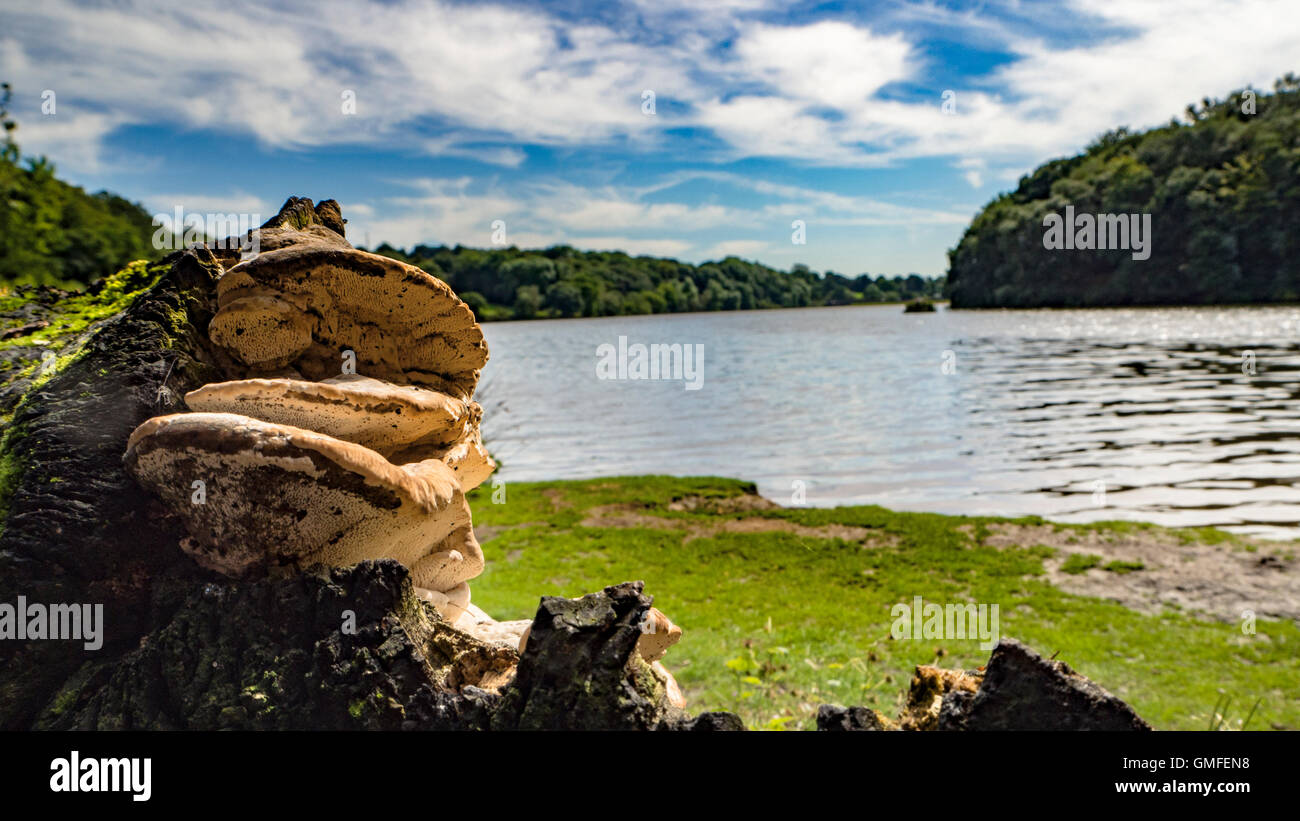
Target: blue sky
point(536, 114)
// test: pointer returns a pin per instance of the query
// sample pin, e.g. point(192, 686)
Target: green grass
point(1122, 567)
point(1080, 563)
point(776, 623)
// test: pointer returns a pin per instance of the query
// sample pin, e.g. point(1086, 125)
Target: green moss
point(1080, 563)
point(65, 699)
point(11, 470)
point(1042, 551)
point(1185, 535)
point(1207, 535)
point(66, 333)
point(60, 364)
point(78, 311)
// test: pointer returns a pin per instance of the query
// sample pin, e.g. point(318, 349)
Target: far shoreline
point(938, 303)
point(772, 308)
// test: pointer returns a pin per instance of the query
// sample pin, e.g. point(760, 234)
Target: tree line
point(560, 281)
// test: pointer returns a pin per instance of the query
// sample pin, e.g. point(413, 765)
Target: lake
point(1074, 415)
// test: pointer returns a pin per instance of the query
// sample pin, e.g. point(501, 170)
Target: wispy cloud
point(464, 210)
point(488, 79)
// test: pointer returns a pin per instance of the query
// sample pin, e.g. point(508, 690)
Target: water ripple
point(853, 403)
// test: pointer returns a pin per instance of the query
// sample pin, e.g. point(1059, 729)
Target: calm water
point(853, 403)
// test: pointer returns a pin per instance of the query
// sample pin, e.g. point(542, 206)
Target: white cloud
point(974, 173)
point(488, 82)
point(633, 246)
point(828, 63)
point(482, 73)
point(775, 127)
point(503, 155)
point(1161, 55)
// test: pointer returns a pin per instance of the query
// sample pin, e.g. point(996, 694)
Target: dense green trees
point(563, 282)
point(52, 233)
point(1223, 193)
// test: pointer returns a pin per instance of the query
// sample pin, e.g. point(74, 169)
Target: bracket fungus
point(262, 331)
point(404, 325)
point(303, 461)
point(380, 415)
point(658, 634)
point(345, 429)
point(401, 422)
point(278, 495)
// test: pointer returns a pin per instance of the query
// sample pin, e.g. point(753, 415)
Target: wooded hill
point(1222, 192)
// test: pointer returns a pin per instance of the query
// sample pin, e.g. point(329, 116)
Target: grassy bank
point(787, 608)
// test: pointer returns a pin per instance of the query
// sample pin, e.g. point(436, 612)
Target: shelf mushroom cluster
point(351, 433)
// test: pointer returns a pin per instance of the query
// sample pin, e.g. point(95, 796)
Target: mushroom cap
point(380, 415)
point(451, 605)
point(276, 495)
point(403, 324)
point(672, 691)
point(659, 633)
point(485, 628)
point(469, 460)
point(457, 558)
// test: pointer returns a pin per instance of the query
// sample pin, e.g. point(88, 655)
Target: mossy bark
point(348, 648)
point(78, 529)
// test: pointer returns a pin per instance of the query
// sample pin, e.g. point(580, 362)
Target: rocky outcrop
point(299, 644)
point(1017, 690)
